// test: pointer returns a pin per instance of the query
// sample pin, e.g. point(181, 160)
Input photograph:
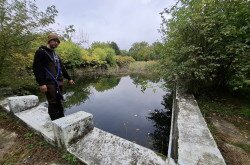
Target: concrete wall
point(190, 140)
point(173, 137)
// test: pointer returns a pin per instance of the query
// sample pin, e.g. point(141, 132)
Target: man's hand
point(43, 88)
point(71, 82)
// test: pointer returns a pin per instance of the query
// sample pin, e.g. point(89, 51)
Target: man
point(49, 72)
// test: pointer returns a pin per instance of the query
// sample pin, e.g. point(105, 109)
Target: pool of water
point(132, 107)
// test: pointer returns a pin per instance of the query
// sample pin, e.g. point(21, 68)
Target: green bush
point(123, 61)
point(100, 57)
point(207, 43)
point(141, 51)
point(70, 53)
point(100, 53)
point(110, 56)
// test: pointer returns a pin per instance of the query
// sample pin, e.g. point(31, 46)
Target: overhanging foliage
point(207, 43)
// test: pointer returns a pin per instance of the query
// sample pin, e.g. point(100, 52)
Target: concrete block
point(22, 103)
point(5, 104)
point(195, 142)
point(101, 147)
point(38, 119)
point(70, 129)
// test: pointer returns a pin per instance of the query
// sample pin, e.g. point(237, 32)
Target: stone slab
point(71, 128)
point(100, 147)
point(21, 103)
point(195, 142)
point(38, 119)
point(5, 104)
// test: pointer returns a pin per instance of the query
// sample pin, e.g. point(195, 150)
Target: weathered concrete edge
point(37, 132)
point(190, 150)
point(22, 103)
point(37, 119)
point(5, 105)
point(101, 147)
point(173, 136)
point(71, 128)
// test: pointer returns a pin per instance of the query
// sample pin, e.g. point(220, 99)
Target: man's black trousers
point(55, 108)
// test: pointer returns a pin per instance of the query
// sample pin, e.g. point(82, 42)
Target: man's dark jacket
point(44, 58)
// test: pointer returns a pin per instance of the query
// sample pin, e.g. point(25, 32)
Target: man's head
point(53, 40)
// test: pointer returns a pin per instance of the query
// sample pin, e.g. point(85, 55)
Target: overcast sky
point(121, 21)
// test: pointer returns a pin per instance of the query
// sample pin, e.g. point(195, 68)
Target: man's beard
point(53, 46)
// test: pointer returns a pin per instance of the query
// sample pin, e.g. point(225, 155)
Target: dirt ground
point(19, 145)
point(232, 135)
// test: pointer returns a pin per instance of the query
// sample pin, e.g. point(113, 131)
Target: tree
point(124, 53)
point(68, 32)
point(141, 51)
point(19, 20)
point(157, 50)
point(101, 45)
point(114, 46)
point(207, 43)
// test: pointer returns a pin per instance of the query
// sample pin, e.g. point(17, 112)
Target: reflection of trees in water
point(144, 81)
point(106, 83)
point(82, 91)
point(162, 123)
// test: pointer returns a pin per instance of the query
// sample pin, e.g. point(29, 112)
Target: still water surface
point(132, 107)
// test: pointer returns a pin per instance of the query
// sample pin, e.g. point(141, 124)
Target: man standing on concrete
point(49, 72)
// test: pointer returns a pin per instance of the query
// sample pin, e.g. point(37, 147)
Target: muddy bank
point(232, 135)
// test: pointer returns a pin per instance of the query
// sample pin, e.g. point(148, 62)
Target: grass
point(71, 159)
point(245, 147)
point(226, 105)
point(2, 115)
point(28, 135)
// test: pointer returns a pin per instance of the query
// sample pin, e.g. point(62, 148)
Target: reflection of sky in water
point(123, 109)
